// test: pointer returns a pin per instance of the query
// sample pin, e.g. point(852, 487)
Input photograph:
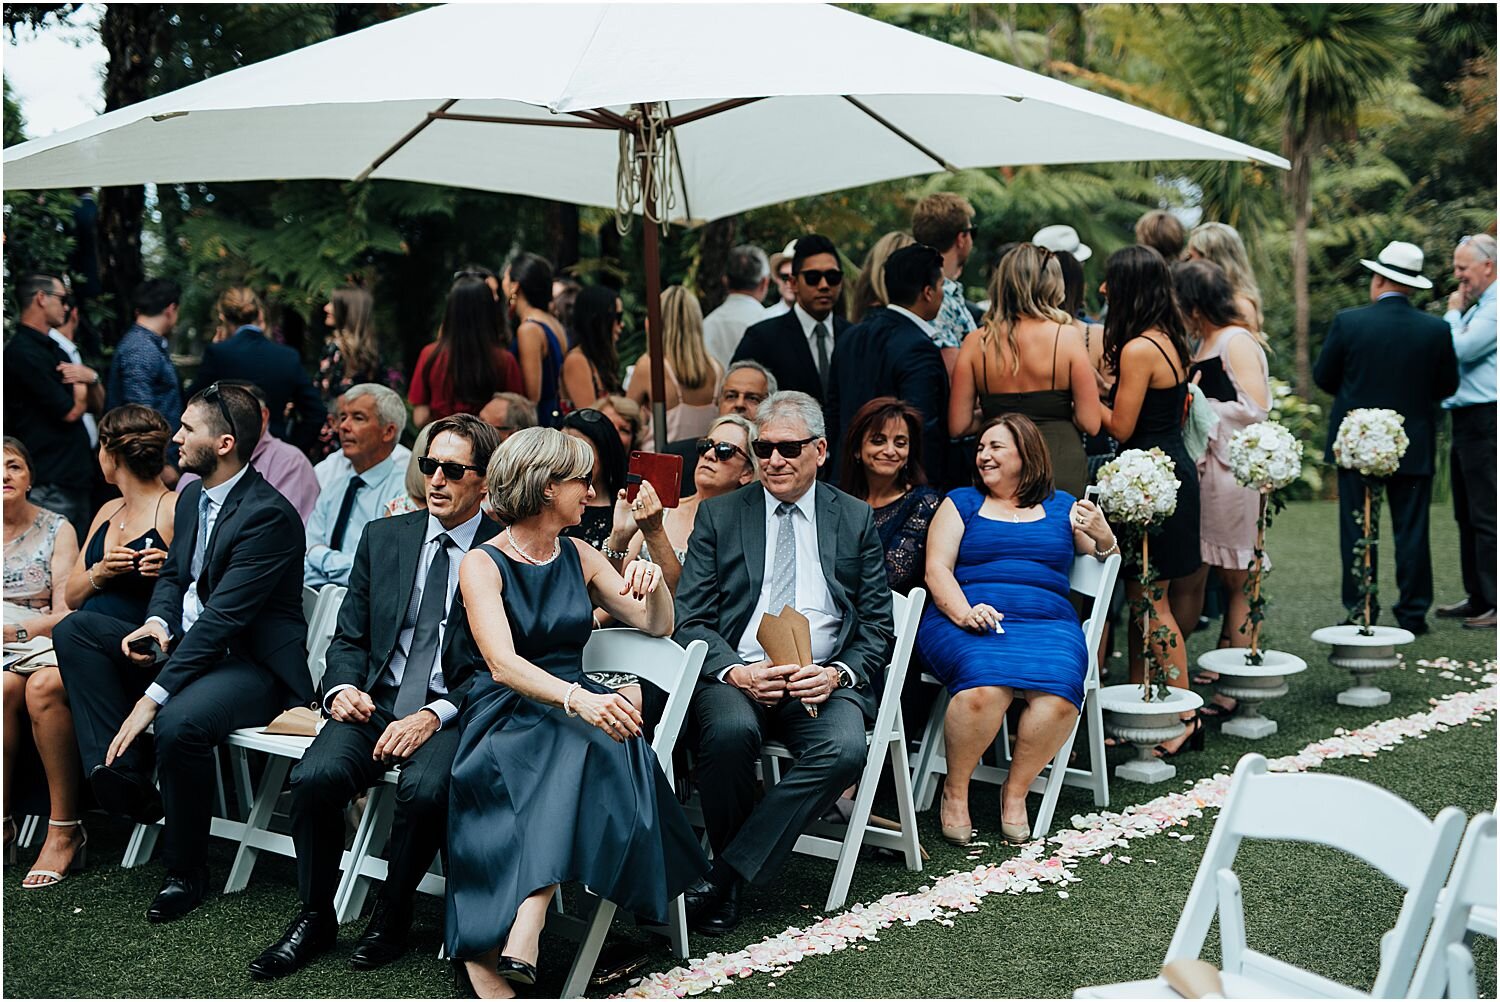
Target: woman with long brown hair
point(351, 354)
point(467, 365)
point(882, 466)
point(1030, 359)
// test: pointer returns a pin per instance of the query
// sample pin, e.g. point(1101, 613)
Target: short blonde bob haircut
point(529, 462)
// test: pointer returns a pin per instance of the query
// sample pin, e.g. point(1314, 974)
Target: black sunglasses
point(67, 299)
point(788, 450)
point(722, 450)
point(814, 277)
point(213, 393)
point(453, 471)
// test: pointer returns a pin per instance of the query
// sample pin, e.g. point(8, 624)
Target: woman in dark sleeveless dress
point(1030, 359)
point(552, 780)
point(540, 337)
point(1146, 343)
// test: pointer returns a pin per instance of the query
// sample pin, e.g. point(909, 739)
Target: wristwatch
point(21, 635)
point(846, 678)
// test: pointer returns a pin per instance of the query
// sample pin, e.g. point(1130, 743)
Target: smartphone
point(147, 645)
point(1091, 493)
point(663, 470)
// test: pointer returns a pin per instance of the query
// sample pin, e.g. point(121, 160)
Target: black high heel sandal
point(1196, 729)
point(517, 972)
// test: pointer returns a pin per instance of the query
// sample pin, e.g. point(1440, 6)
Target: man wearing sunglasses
point(787, 541)
point(225, 625)
point(43, 408)
point(392, 690)
point(797, 347)
point(371, 419)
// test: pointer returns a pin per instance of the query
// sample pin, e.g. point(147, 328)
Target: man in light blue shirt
point(371, 419)
point(1473, 410)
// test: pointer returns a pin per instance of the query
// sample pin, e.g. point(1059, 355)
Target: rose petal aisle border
point(1097, 834)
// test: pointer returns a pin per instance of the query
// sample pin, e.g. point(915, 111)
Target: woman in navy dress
point(552, 780)
point(1000, 624)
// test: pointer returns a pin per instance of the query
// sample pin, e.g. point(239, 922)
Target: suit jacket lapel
point(828, 532)
point(753, 539)
point(408, 558)
point(221, 524)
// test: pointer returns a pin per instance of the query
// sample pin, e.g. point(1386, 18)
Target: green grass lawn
point(1313, 908)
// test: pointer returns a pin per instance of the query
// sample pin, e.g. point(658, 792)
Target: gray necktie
point(820, 338)
point(784, 563)
point(200, 545)
point(411, 696)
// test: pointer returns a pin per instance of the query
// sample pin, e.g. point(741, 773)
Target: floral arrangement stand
point(1129, 716)
point(1138, 491)
point(1364, 654)
point(1266, 458)
point(1251, 685)
point(1370, 440)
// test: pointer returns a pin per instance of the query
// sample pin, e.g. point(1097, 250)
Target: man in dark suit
point(797, 346)
point(1390, 354)
point(787, 541)
point(398, 668)
point(890, 353)
point(227, 615)
point(249, 355)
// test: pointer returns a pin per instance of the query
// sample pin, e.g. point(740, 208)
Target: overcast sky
point(57, 74)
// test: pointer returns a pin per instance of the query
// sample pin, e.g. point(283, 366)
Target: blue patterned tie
point(784, 564)
point(200, 546)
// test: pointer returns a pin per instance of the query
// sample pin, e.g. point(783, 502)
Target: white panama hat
point(1063, 238)
point(1400, 262)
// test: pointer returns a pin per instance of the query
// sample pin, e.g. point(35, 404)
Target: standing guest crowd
point(836, 448)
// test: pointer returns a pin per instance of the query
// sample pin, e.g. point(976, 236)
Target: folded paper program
point(787, 640)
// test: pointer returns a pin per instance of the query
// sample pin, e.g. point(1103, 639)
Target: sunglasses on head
point(722, 451)
point(1462, 241)
point(451, 471)
point(788, 450)
point(814, 277)
point(216, 395)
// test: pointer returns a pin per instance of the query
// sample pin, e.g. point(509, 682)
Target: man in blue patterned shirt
point(945, 222)
point(142, 372)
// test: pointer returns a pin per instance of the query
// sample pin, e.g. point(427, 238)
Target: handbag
point(25, 657)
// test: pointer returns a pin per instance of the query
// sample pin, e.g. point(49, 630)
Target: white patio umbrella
point(683, 112)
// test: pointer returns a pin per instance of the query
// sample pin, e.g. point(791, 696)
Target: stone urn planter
point(1363, 655)
point(1129, 717)
point(1251, 685)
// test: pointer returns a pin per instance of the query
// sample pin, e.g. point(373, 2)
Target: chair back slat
point(321, 628)
point(660, 661)
point(1470, 895)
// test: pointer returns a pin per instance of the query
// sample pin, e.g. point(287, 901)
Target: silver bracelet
point(94, 584)
point(1114, 547)
point(612, 554)
point(568, 700)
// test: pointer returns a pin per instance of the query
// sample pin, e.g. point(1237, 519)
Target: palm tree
point(1321, 62)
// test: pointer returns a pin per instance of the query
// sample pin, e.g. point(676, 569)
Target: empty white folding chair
point(1094, 579)
point(886, 740)
point(1355, 817)
point(1467, 905)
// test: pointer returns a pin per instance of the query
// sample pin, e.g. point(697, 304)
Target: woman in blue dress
point(552, 780)
point(1000, 624)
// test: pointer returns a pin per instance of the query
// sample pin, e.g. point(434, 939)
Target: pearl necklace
point(556, 549)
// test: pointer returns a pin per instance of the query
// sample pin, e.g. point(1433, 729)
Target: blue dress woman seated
point(553, 780)
point(1000, 624)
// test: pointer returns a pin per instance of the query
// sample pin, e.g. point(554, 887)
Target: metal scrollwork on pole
point(644, 174)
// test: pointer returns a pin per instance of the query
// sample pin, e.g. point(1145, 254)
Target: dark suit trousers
point(1473, 462)
point(1408, 499)
point(729, 730)
point(337, 768)
point(103, 685)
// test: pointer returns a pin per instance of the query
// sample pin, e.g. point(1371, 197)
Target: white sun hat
point(1062, 238)
point(1400, 262)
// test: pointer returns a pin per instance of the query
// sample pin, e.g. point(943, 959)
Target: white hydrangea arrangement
point(1139, 486)
point(1372, 441)
point(1265, 456)
point(1138, 491)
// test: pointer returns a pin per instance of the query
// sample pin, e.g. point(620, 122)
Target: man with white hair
point(747, 276)
point(1473, 409)
point(371, 419)
point(788, 541)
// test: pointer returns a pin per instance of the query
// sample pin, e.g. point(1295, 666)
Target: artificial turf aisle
point(87, 937)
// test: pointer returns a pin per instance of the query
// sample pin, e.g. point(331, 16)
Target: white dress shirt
point(808, 323)
point(192, 603)
point(89, 422)
point(463, 539)
point(923, 325)
point(725, 327)
point(814, 600)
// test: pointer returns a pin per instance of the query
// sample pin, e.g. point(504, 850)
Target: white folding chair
point(1467, 905)
point(282, 751)
point(1094, 579)
point(887, 740)
point(1355, 817)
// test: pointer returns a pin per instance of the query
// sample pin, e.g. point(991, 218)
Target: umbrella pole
point(652, 233)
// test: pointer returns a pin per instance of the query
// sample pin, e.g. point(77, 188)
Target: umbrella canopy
point(764, 103)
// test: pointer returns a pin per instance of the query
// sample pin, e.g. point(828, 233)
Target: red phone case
point(663, 470)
